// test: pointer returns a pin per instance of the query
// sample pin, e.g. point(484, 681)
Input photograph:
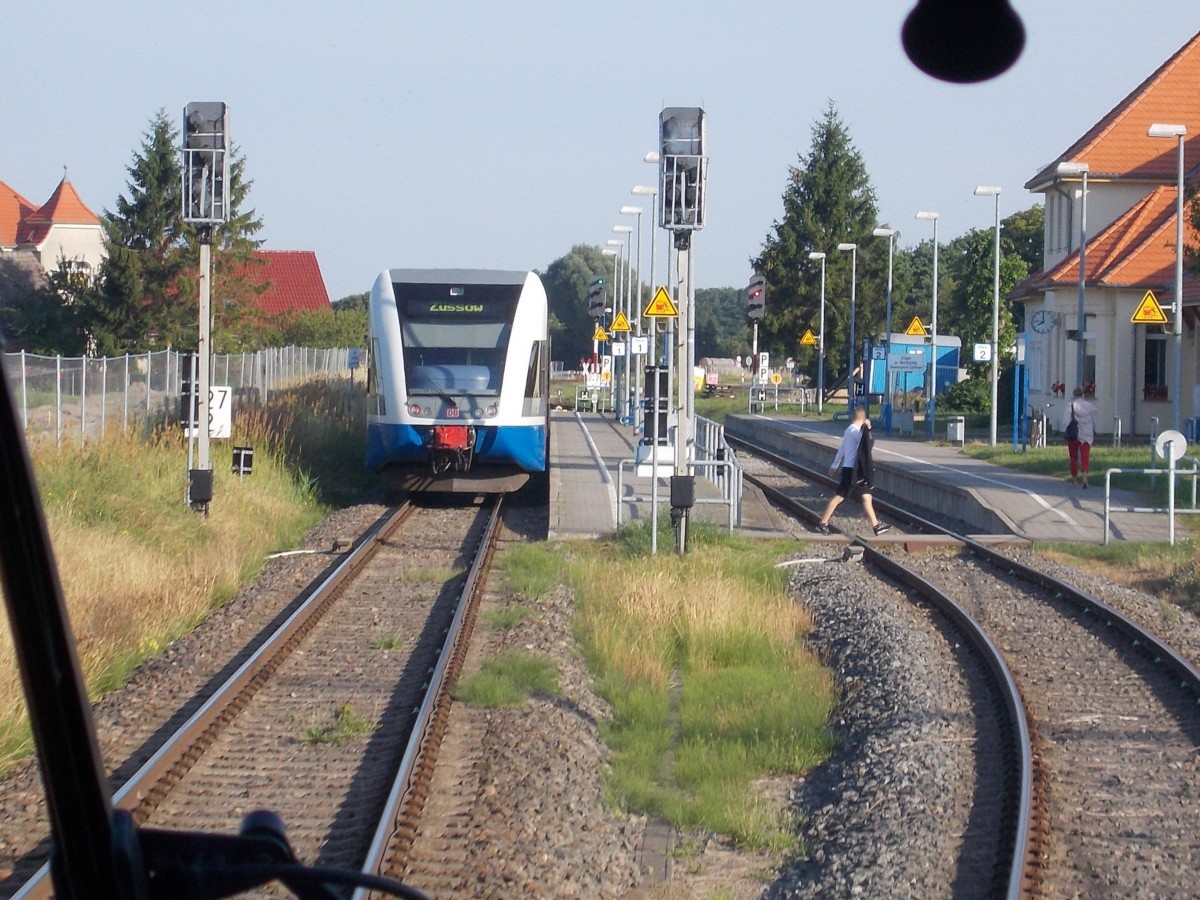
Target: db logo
point(452, 412)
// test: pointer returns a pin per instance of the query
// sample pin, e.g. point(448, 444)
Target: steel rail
point(394, 833)
point(1020, 752)
point(147, 786)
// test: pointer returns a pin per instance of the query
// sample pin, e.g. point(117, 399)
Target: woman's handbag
point(1072, 430)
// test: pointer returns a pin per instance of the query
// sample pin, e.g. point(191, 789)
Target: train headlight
point(414, 409)
point(490, 411)
point(478, 413)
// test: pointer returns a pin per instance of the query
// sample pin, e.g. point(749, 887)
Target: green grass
point(1053, 461)
point(510, 617)
point(388, 642)
point(509, 680)
point(347, 724)
point(702, 659)
point(531, 571)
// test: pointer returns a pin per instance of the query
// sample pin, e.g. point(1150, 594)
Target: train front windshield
point(455, 337)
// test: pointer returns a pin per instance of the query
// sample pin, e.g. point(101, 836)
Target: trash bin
point(956, 429)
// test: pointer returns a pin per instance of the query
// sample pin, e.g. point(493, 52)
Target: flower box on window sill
point(1154, 393)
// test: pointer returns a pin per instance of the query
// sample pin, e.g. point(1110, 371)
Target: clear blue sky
point(492, 134)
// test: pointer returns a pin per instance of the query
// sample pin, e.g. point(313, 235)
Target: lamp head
point(631, 210)
point(644, 190)
point(985, 190)
point(1071, 167)
point(928, 216)
point(884, 232)
point(623, 229)
point(816, 255)
point(1158, 130)
point(847, 246)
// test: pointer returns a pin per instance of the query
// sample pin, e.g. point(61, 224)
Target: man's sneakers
point(822, 528)
point(882, 528)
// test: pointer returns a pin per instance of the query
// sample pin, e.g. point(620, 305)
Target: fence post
point(24, 396)
point(82, 400)
point(58, 401)
point(103, 392)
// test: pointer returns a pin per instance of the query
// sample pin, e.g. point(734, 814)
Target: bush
point(971, 396)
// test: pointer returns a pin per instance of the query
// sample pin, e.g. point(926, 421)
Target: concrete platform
point(586, 451)
point(989, 498)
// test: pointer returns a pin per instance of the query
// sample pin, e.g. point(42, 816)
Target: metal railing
point(1172, 472)
point(725, 466)
point(711, 446)
point(73, 397)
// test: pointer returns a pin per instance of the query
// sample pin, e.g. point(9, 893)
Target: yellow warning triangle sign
point(660, 307)
point(1149, 312)
point(809, 339)
point(915, 328)
point(620, 323)
point(600, 334)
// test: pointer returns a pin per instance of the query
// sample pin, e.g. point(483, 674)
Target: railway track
point(1112, 713)
point(318, 720)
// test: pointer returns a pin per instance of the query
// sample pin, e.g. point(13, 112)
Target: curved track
point(314, 724)
point(1112, 711)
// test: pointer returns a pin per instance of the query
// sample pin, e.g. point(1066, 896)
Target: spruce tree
point(828, 200)
point(148, 292)
point(140, 304)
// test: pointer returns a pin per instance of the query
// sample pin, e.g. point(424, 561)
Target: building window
point(1155, 371)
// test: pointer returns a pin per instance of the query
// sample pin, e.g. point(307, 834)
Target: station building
point(1130, 210)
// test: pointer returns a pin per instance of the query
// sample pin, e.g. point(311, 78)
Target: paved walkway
point(1037, 507)
point(590, 491)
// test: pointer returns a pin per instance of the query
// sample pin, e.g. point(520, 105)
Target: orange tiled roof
point(294, 281)
point(63, 208)
point(1136, 250)
point(13, 210)
point(1118, 146)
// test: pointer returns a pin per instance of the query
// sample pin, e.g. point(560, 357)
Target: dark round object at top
point(963, 41)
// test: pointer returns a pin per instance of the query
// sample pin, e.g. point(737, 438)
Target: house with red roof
point(61, 229)
point(1128, 226)
point(292, 278)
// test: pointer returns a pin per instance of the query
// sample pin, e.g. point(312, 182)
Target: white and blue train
point(459, 379)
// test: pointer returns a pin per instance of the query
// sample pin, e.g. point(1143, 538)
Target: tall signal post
point(205, 204)
point(682, 182)
point(756, 308)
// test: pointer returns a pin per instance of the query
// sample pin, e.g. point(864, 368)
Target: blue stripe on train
point(521, 445)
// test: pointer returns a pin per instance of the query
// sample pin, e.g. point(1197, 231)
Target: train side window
point(534, 382)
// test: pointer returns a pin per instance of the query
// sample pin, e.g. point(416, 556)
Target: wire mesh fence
point(76, 399)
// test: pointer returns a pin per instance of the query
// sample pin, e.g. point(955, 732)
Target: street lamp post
point(821, 339)
point(643, 190)
point(1177, 132)
point(986, 191)
point(618, 274)
point(929, 413)
point(1080, 169)
point(635, 313)
point(853, 248)
point(890, 234)
point(625, 418)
